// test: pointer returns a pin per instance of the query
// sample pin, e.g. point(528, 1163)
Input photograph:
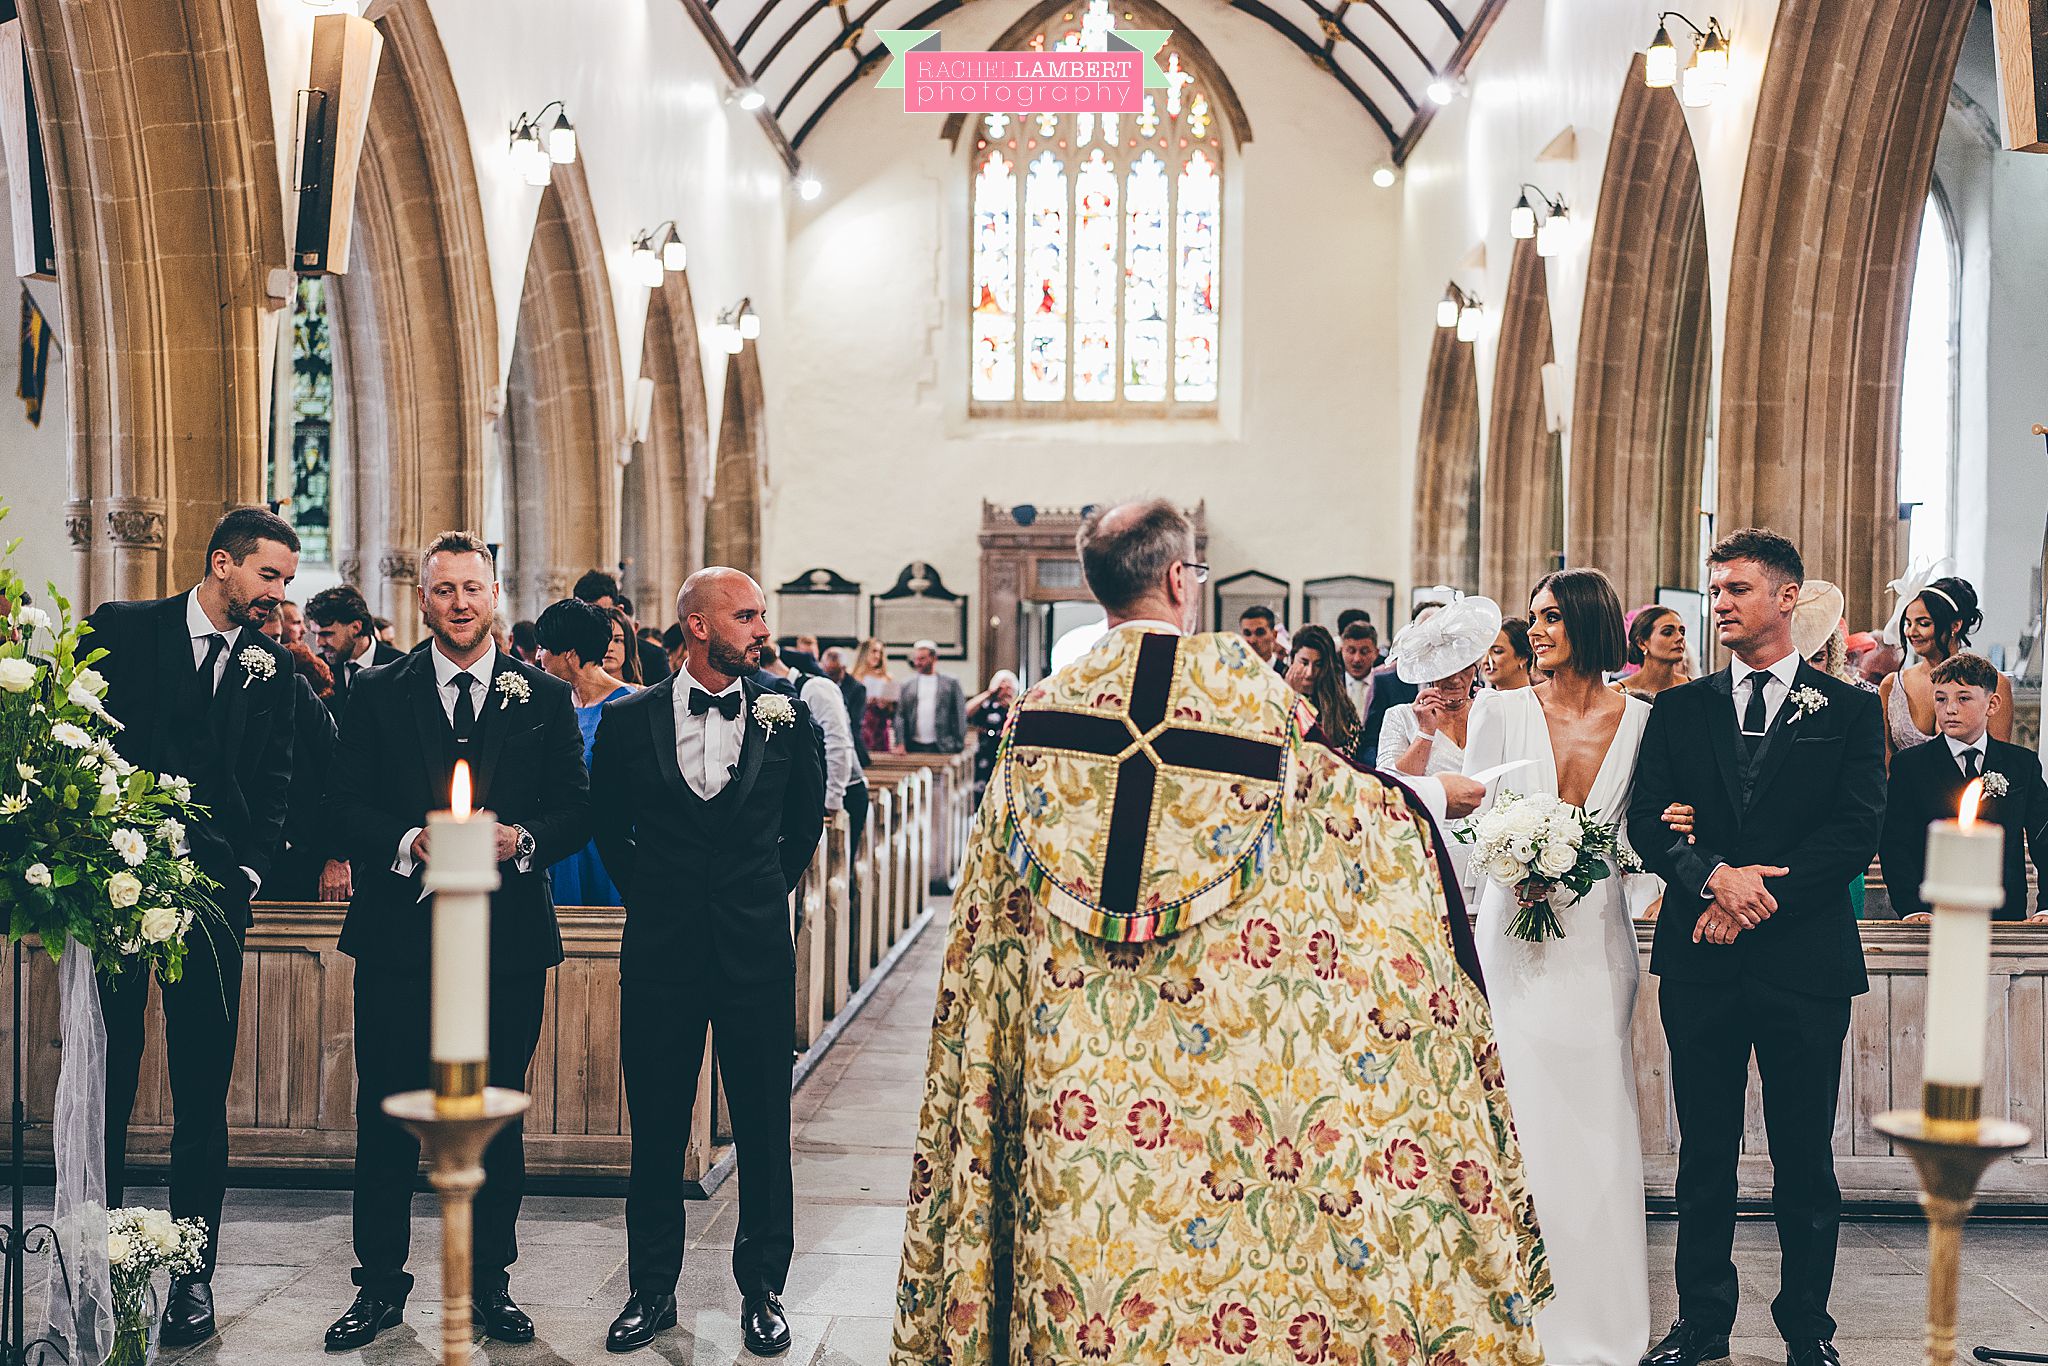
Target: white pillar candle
point(1965, 880)
point(462, 872)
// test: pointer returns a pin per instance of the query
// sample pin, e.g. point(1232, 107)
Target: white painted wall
point(1305, 470)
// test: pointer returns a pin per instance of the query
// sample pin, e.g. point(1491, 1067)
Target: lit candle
point(1965, 880)
point(462, 872)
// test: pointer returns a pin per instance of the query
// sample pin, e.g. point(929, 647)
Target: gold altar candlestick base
point(454, 1144)
point(1950, 1165)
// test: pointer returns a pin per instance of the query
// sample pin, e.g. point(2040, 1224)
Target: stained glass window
point(1096, 253)
point(299, 474)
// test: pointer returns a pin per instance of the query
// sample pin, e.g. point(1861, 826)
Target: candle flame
point(458, 791)
point(1973, 795)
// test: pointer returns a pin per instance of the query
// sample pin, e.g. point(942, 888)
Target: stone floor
point(285, 1276)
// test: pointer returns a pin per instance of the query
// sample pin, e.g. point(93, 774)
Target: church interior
point(1402, 300)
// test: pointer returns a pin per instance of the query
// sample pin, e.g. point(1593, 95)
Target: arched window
point(1927, 403)
point(1096, 249)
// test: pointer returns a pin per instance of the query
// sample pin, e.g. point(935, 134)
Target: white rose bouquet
point(1549, 854)
point(91, 848)
point(140, 1243)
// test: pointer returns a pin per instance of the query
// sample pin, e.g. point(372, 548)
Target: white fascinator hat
point(1815, 616)
point(1454, 637)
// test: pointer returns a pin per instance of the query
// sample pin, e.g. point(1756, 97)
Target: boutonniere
point(511, 687)
point(1996, 785)
point(1807, 701)
point(772, 709)
point(256, 663)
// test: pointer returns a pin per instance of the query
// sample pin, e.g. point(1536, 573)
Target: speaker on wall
point(334, 117)
point(28, 181)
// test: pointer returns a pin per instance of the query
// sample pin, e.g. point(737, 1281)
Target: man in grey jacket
point(931, 715)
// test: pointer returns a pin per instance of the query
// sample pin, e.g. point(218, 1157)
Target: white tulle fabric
point(81, 1292)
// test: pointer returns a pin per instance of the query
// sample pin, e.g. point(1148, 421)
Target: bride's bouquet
point(1549, 854)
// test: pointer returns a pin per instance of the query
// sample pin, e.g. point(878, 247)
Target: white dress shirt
point(1956, 749)
point(200, 627)
point(707, 746)
point(445, 671)
point(924, 727)
point(1776, 682)
point(366, 650)
point(828, 709)
point(1359, 690)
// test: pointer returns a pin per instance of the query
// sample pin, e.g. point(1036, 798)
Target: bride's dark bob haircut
point(1592, 618)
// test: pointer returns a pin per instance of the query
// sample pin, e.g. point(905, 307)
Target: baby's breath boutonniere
point(772, 709)
point(1996, 785)
point(511, 687)
point(256, 663)
point(1808, 700)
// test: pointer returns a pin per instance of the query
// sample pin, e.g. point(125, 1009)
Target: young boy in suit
point(1927, 783)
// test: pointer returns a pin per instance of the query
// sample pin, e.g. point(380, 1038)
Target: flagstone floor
point(285, 1270)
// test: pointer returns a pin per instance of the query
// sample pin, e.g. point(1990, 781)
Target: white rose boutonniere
point(772, 709)
point(510, 688)
point(1997, 785)
point(1807, 701)
point(256, 663)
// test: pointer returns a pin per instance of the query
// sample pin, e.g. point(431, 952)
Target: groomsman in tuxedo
point(347, 636)
point(202, 693)
point(710, 796)
point(1756, 948)
point(405, 728)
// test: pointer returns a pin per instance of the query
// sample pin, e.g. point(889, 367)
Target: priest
point(1207, 1081)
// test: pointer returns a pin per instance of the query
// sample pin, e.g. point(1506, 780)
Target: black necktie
point(465, 709)
point(216, 645)
point(1754, 719)
point(725, 704)
point(1969, 758)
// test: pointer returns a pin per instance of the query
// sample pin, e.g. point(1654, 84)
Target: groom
point(709, 793)
point(1757, 946)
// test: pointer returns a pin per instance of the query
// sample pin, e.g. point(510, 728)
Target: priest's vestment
point(1206, 1082)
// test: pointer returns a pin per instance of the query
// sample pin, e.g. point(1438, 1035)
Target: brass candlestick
point(1949, 1169)
point(455, 1145)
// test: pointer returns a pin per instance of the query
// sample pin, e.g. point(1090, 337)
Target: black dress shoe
point(188, 1314)
point(1811, 1352)
point(1687, 1344)
point(500, 1318)
point(643, 1317)
point(362, 1321)
point(766, 1329)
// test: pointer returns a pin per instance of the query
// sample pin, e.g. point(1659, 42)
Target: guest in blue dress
point(574, 636)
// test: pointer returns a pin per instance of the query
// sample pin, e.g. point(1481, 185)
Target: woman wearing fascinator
point(1934, 618)
point(1440, 652)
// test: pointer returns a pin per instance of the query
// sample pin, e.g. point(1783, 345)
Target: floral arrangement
point(1548, 853)
point(772, 709)
point(91, 848)
point(140, 1243)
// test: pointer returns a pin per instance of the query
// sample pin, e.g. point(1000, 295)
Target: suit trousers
point(1797, 1039)
point(202, 1010)
point(661, 1044)
point(393, 1029)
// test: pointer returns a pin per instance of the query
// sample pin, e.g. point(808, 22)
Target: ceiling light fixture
point(1705, 75)
point(746, 97)
point(1384, 175)
point(808, 188)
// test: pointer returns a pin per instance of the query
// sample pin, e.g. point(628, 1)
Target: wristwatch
point(523, 850)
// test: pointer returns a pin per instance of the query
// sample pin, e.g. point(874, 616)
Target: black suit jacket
point(305, 823)
point(705, 881)
point(1816, 808)
point(392, 766)
point(337, 699)
point(1927, 786)
point(237, 753)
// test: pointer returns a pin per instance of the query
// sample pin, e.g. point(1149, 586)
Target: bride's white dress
point(1561, 1012)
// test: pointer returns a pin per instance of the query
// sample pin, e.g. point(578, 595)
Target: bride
point(1562, 1009)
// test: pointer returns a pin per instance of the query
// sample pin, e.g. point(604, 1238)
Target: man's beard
point(733, 662)
point(250, 612)
point(463, 637)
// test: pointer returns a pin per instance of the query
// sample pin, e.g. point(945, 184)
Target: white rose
point(1523, 848)
point(83, 694)
point(124, 889)
point(37, 875)
point(70, 736)
point(130, 845)
point(1565, 826)
point(159, 923)
point(1505, 870)
point(158, 1226)
point(1557, 859)
point(17, 675)
point(89, 680)
point(34, 618)
point(120, 1247)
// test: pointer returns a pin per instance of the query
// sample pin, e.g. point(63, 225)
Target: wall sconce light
point(746, 97)
point(658, 251)
point(1471, 316)
point(737, 326)
point(1548, 229)
point(808, 188)
point(537, 155)
point(1705, 76)
point(1450, 306)
point(1385, 174)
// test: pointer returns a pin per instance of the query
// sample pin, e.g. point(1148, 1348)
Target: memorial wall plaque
point(818, 602)
point(920, 607)
point(1249, 589)
point(1323, 599)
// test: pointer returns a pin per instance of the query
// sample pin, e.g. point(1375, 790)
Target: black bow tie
point(725, 704)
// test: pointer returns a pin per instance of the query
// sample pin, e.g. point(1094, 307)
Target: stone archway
point(1645, 367)
point(661, 503)
point(1447, 502)
point(564, 423)
point(168, 219)
point(732, 522)
point(1822, 276)
point(418, 329)
point(1522, 509)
